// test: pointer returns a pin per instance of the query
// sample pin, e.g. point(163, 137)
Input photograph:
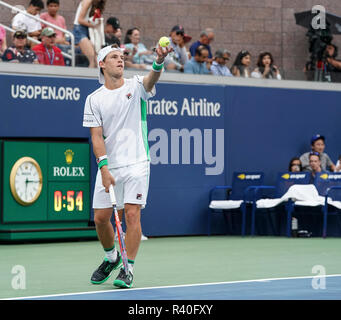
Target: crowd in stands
point(315, 160)
point(54, 47)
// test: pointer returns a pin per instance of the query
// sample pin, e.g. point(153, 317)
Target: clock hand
point(26, 187)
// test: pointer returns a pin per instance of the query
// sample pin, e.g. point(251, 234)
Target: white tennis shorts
point(131, 186)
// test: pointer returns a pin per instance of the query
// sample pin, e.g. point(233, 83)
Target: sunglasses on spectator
point(178, 33)
point(21, 37)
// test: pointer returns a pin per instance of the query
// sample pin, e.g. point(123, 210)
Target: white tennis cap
point(101, 56)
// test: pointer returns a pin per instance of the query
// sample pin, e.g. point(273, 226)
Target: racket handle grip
point(112, 195)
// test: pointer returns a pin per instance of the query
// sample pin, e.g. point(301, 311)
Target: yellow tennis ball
point(164, 42)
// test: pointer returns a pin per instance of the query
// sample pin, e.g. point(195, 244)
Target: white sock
point(131, 265)
point(111, 254)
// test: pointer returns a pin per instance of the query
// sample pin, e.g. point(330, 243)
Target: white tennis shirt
point(122, 115)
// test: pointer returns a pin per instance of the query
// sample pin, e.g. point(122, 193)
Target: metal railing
point(72, 37)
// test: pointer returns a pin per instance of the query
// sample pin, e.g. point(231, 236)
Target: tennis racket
point(119, 231)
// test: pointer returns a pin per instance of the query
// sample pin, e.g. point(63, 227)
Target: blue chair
point(238, 191)
point(284, 181)
point(328, 185)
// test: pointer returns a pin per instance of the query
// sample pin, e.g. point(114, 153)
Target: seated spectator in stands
point(314, 165)
point(19, 52)
point(176, 59)
point(295, 165)
point(206, 37)
point(3, 42)
point(333, 65)
point(54, 17)
point(110, 30)
point(218, 67)
point(129, 64)
point(82, 23)
point(139, 52)
point(338, 164)
point(46, 51)
point(118, 35)
point(266, 68)
point(318, 145)
point(198, 64)
point(31, 26)
point(241, 64)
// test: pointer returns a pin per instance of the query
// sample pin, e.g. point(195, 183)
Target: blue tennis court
point(298, 288)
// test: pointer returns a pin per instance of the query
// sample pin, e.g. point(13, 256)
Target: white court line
point(173, 286)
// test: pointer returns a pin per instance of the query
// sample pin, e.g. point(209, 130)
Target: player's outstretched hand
point(162, 52)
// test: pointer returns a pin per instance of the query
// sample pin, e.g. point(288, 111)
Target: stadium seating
point(328, 186)
point(284, 181)
point(235, 197)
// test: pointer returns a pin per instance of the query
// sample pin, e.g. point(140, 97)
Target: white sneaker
point(143, 237)
point(116, 236)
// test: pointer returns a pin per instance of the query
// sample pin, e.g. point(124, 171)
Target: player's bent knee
point(102, 216)
point(132, 214)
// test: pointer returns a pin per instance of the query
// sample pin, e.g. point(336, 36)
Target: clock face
point(26, 181)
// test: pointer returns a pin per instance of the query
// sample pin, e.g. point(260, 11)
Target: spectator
point(178, 57)
point(46, 51)
point(133, 45)
point(266, 68)
point(241, 65)
point(333, 65)
point(118, 35)
point(338, 165)
point(3, 42)
point(18, 52)
point(318, 145)
point(198, 63)
point(314, 165)
point(206, 37)
point(54, 17)
point(82, 23)
point(219, 67)
point(295, 165)
point(110, 30)
point(31, 26)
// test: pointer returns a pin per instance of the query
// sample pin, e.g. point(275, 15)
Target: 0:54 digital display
point(71, 201)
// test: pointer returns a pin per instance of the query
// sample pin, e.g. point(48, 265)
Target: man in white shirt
point(28, 24)
point(116, 116)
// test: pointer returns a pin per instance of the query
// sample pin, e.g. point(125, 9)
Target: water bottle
point(294, 227)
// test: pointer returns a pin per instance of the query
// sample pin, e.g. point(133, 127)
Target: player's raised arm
point(154, 75)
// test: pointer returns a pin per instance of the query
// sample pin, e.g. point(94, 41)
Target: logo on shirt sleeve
point(129, 96)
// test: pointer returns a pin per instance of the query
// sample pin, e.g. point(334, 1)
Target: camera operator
point(333, 65)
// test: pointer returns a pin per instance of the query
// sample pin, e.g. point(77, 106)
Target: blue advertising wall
point(198, 135)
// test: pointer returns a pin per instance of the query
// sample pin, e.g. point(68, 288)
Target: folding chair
point(235, 196)
point(328, 186)
point(284, 181)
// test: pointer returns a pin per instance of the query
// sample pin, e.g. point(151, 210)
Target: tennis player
point(116, 115)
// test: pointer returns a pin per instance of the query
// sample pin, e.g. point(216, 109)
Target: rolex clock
point(26, 181)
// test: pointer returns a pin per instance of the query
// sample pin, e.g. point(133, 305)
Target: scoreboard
point(45, 190)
